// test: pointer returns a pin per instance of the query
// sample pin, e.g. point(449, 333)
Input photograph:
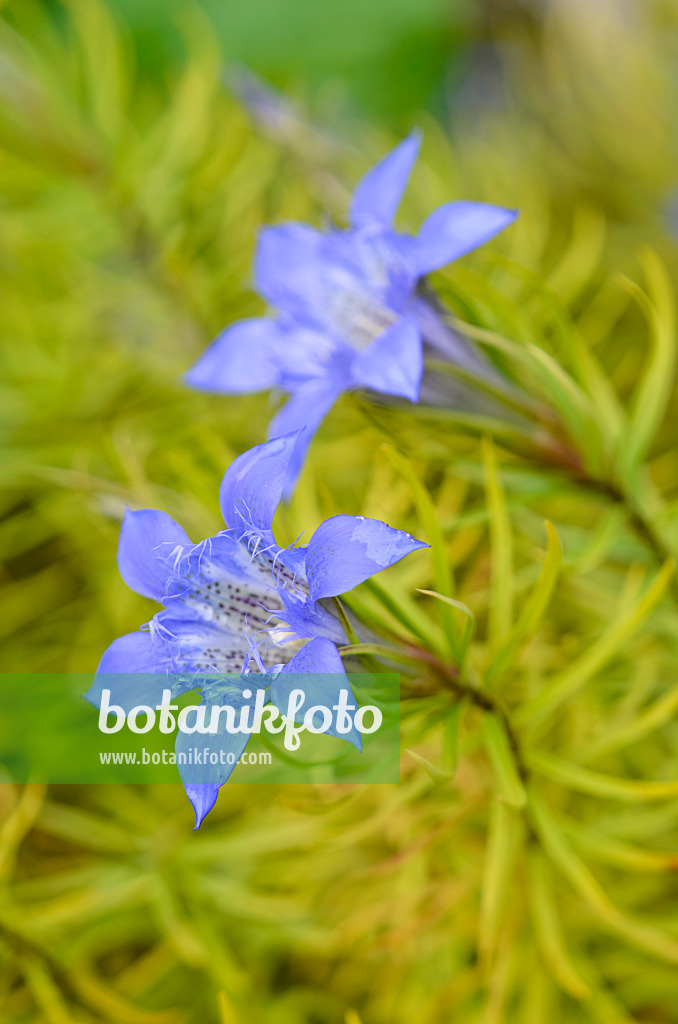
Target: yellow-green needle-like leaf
point(532, 610)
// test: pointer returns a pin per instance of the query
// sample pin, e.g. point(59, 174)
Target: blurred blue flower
point(350, 312)
point(238, 602)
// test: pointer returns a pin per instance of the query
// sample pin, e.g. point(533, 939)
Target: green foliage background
point(524, 870)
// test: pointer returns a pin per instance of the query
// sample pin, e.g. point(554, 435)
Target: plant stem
point(641, 524)
point(451, 679)
point(555, 452)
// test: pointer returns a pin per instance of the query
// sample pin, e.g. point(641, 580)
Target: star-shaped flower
point(238, 604)
point(350, 313)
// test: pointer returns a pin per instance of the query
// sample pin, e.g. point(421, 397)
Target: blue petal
point(318, 655)
point(150, 542)
point(136, 671)
point(203, 797)
point(324, 677)
point(253, 485)
point(455, 229)
point(202, 781)
point(378, 194)
point(346, 550)
point(393, 363)
point(134, 652)
point(286, 266)
point(303, 414)
point(242, 359)
point(308, 618)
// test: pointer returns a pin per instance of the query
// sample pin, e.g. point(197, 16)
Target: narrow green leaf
point(497, 877)
point(532, 611)
point(550, 316)
point(583, 780)
point(548, 928)
point(453, 603)
point(501, 597)
point(572, 404)
point(565, 859)
point(502, 758)
point(556, 387)
point(470, 626)
point(436, 773)
point(573, 351)
point(473, 291)
point(380, 651)
point(45, 990)
point(568, 682)
point(510, 433)
point(109, 1003)
point(652, 394)
point(600, 541)
point(539, 993)
point(227, 1014)
point(17, 824)
point(103, 63)
point(608, 850)
point(441, 563)
point(582, 256)
point(406, 611)
point(658, 714)
point(345, 621)
point(451, 735)
point(556, 845)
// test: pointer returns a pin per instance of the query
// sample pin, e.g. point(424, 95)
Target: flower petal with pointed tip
point(394, 362)
point(133, 652)
point(303, 413)
point(149, 543)
point(242, 359)
point(346, 550)
point(202, 781)
point(253, 485)
point(203, 797)
point(455, 229)
point(319, 655)
point(377, 196)
point(324, 677)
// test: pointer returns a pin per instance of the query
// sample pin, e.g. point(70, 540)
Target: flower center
point(358, 319)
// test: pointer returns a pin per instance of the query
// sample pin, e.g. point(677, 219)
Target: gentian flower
point(351, 313)
point(238, 603)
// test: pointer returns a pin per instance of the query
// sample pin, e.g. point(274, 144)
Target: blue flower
point(238, 603)
point(350, 311)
